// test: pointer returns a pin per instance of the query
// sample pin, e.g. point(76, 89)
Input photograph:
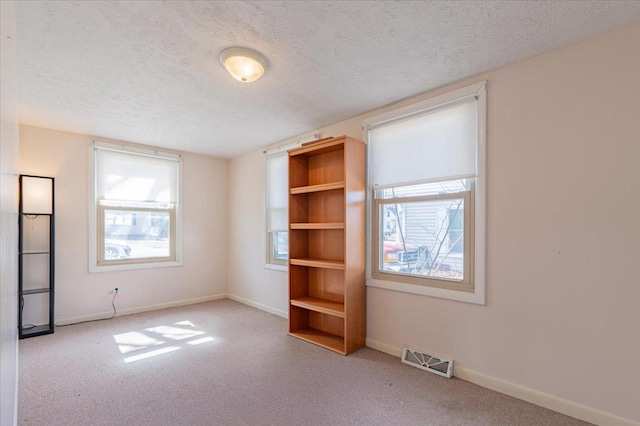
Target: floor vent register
point(432, 363)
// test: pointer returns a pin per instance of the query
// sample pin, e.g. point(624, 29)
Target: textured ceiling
point(148, 72)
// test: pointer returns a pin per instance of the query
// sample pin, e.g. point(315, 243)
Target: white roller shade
point(436, 145)
point(126, 176)
point(277, 192)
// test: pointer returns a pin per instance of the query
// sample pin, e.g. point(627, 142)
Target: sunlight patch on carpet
point(174, 333)
point(135, 340)
point(199, 341)
point(157, 336)
point(151, 354)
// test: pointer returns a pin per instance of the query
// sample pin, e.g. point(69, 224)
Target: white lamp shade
point(37, 195)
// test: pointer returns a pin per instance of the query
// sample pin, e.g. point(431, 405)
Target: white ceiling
point(148, 72)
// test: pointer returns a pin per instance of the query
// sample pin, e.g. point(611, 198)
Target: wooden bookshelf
point(326, 244)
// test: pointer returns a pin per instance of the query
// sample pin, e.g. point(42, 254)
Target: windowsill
point(460, 296)
point(281, 268)
point(134, 266)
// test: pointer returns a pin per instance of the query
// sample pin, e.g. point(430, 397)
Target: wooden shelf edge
point(317, 188)
point(321, 338)
point(318, 263)
point(332, 225)
point(320, 305)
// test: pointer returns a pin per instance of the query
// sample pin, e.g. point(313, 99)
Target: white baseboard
point(64, 321)
point(383, 347)
point(524, 393)
point(260, 306)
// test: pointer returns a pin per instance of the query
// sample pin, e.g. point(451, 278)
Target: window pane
point(423, 238)
point(136, 234)
point(280, 246)
point(456, 230)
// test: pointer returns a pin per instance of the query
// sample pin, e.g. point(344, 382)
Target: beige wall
point(80, 294)
point(8, 216)
point(251, 282)
point(562, 317)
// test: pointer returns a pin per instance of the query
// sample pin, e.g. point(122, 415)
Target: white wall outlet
point(116, 290)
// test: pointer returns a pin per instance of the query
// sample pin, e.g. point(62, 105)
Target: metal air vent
point(432, 363)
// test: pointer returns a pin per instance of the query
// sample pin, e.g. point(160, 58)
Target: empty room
point(319, 212)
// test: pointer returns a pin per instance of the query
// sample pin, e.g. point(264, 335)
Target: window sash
point(467, 283)
point(100, 240)
point(273, 247)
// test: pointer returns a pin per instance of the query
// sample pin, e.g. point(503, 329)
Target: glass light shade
point(37, 195)
point(243, 64)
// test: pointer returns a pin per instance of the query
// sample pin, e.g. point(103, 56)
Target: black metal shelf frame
point(31, 330)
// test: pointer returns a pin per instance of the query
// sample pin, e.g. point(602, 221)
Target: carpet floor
point(224, 363)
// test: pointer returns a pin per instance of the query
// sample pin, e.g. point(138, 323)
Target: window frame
point(101, 241)
point(272, 249)
point(272, 260)
point(97, 263)
point(475, 294)
point(467, 284)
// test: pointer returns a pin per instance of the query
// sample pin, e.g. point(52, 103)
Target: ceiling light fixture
point(243, 64)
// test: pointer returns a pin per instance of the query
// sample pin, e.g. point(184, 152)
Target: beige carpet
point(223, 363)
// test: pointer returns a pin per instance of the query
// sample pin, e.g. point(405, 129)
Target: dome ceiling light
point(243, 64)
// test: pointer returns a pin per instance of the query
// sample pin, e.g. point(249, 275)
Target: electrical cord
point(25, 326)
point(113, 305)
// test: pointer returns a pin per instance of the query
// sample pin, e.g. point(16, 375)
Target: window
point(427, 179)
point(277, 209)
point(135, 208)
point(277, 203)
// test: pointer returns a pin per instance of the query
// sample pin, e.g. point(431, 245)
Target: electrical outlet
point(116, 291)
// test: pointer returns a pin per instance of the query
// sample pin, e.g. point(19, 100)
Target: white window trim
point(94, 266)
point(270, 263)
point(478, 296)
point(274, 267)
